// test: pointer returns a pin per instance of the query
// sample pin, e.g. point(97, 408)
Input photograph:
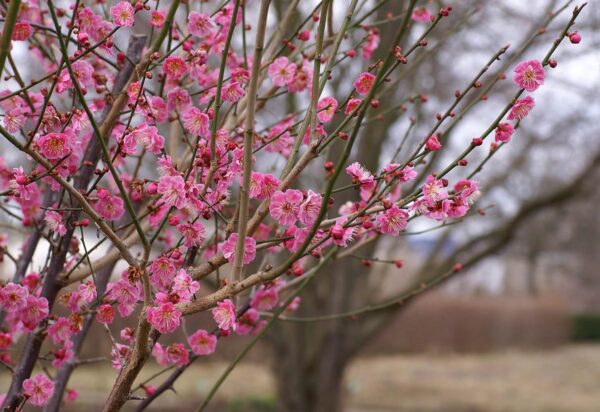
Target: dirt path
point(561, 380)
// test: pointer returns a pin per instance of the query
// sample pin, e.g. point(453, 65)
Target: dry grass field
point(560, 380)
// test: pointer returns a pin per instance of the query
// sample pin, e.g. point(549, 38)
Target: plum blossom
point(172, 189)
point(228, 248)
point(285, 206)
point(122, 14)
point(281, 71)
point(421, 15)
point(108, 206)
point(263, 185)
point(13, 297)
point(54, 146)
point(54, 222)
point(199, 24)
point(392, 221)
point(529, 75)
point(38, 389)
point(224, 315)
point(326, 108)
point(309, 209)
point(503, 132)
point(521, 108)
point(363, 83)
point(165, 317)
point(193, 233)
point(196, 122)
point(202, 342)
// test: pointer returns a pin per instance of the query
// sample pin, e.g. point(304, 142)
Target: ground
point(559, 380)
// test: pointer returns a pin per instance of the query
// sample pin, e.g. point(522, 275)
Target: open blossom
point(54, 222)
point(228, 248)
point(263, 185)
point(54, 145)
point(165, 317)
point(285, 206)
point(433, 191)
point(177, 354)
point(521, 108)
point(199, 24)
point(193, 233)
point(232, 92)
point(361, 176)
point(157, 18)
point(108, 206)
point(421, 15)
point(38, 389)
point(202, 342)
point(175, 67)
point(529, 75)
point(265, 298)
point(172, 189)
point(122, 14)
point(13, 297)
point(105, 313)
point(34, 312)
point(309, 209)
point(504, 131)
point(22, 31)
point(467, 190)
point(281, 71)
point(392, 221)
point(326, 108)
point(363, 83)
point(184, 286)
point(224, 315)
point(196, 122)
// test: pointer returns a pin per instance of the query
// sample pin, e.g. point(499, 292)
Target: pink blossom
point(224, 315)
point(352, 104)
point(157, 18)
point(467, 190)
point(361, 176)
point(228, 248)
point(310, 208)
point(13, 297)
point(165, 318)
point(54, 222)
point(202, 342)
point(433, 144)
point(263, 185)
point(193, 233)
point(196, 122)
point(105, 313)
point(421, 15)
point(521, 108)
point(265, 298)
point(34, 312)
point(341, 235)
point(175, 67)
point(184, 286)
point(161, 272)
point(38, 389)
point(455, 207)
point(21, 31)
point(392, 221)
point(529, 75)
point(326, 109)
point(199, 24)
point(433, 190)
point(248, 321)
point(54, 146)
point(108, 206)
point(364, 82)
point(60, 331)
point(370, 44)
point(177, 354)
point(281, 71)
point(232, 92)
point(172, 189)
point(122, 14)
point(285, 206)
point(504, 131)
